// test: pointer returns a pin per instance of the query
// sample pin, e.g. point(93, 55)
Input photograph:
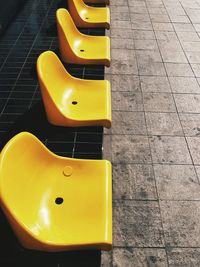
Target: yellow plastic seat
point(79, 48)
point(70, 101)
point(107, 2)
point(85, 16)
point(55, 203)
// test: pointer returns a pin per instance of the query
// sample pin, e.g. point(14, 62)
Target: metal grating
point(31, 32)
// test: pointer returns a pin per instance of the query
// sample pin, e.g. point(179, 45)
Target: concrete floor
point(154, 143)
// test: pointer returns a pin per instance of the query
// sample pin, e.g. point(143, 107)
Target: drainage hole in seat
point(59, 200)
point(82, 50)
point(86, 18)
point(74, 102)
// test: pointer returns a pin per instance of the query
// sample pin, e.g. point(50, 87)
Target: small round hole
point(82, 50)
point(59, 200)
point(87, 18)
point(74, 102)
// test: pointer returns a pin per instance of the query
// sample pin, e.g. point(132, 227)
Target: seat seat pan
point(94, 47)
point(96, 15)
point(91, 98)
point(34, 180)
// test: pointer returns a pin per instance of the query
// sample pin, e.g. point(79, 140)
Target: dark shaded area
point(32, 31)
point(8, 10)
point(88, 142)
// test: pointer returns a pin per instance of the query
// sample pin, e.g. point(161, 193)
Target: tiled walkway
point(154, 143)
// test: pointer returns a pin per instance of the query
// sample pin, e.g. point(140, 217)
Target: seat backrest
point(79, 4)
point(17, 159)
point(65, 22)
point(51, 71)
point(52, 79)
point(55, 84)
point(68, 35)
